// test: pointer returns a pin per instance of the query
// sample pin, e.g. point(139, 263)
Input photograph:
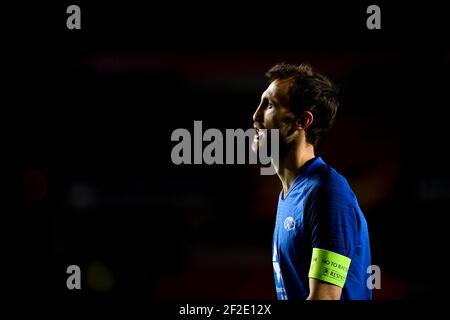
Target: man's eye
point(269, 105)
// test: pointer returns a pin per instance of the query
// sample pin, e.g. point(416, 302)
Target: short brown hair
point(310, 91)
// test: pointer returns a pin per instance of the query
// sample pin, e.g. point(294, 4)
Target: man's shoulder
point(327, 181)
point(327, 176)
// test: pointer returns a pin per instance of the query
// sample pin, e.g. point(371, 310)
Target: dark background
point(92, 111)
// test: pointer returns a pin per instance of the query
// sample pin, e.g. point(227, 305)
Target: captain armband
point(329, 266)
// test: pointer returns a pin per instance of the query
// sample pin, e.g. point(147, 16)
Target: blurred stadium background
point(94, 157)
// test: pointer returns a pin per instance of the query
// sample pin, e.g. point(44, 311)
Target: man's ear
point(304, 121)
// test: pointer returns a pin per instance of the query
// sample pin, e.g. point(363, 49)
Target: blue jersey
point(319, 211)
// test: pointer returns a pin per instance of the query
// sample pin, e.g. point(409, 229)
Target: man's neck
point(291, 164)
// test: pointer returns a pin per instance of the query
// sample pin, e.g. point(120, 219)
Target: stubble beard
point(260, 140)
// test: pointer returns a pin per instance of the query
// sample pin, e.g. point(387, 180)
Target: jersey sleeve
point(331, 218)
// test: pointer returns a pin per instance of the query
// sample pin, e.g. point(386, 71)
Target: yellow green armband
point(329, 266)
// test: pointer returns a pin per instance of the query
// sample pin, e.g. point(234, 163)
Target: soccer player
point(321, 242)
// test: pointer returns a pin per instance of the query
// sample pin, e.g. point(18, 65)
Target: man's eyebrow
point(264, 94)
point(272, 98)
point(268, 96)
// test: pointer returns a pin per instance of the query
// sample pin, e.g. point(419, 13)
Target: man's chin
point(255, 144)
point(259, 142)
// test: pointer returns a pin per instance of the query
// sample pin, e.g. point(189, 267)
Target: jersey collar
point(308, 168)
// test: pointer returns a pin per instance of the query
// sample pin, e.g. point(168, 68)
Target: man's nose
point(257, 114)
